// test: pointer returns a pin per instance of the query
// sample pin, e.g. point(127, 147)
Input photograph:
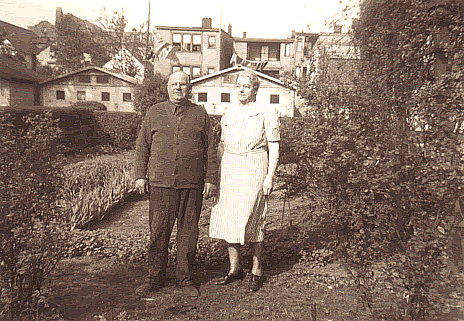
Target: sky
point(275, 19)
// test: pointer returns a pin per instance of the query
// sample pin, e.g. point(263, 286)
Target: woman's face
point(245, 91)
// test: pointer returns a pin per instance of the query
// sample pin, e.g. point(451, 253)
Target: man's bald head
point(178, 87)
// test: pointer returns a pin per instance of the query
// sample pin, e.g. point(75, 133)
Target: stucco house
point(217, 91)
point(19, 85)
point(115, 91)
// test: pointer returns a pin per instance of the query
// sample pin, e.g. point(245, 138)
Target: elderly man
point(176, 162)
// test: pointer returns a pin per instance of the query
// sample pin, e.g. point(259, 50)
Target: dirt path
point(91, 288)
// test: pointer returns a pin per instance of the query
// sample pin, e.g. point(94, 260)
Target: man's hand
point(209, 190)
point(141, 186)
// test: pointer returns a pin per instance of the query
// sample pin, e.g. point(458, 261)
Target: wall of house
point(21, 94)
point(4, 92)
point(93, 92)
point(216, 86)
point(206, 58)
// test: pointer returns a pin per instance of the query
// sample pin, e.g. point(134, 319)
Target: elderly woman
point(250, 144)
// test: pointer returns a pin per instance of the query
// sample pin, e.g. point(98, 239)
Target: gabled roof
point(236, 68)
point(120, 76)
point(286, 40)
point(14, 70)
point(188, 28)
point(22, 39)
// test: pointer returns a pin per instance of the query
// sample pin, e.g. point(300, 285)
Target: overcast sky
point(275, 19)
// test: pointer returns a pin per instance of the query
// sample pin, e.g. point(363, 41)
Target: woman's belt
point(246, 152)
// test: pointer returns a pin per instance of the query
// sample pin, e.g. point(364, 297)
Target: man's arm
point(142, 154)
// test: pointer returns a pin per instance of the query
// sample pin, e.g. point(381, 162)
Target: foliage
point(32, 237)
point(89, 105)
point(120, 128)
point(74, 41)
point(383, 158)
point(7, 49)
point(92, 187)
point(152, 91)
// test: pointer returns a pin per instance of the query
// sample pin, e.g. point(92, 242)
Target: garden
point(362, 225)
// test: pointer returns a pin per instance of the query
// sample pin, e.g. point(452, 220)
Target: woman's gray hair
point(252, 76)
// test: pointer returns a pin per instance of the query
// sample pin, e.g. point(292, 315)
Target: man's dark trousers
point(167, 204)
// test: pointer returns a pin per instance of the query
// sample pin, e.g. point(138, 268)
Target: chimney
point(229, 30)
point(293, 34)
point(58, 15)
point(206, 23)
point(244, 34)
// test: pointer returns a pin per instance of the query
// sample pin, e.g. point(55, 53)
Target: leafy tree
point(73, 41)
point(152, 91)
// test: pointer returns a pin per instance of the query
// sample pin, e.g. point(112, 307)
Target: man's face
point(178, 87)
point(245, 91)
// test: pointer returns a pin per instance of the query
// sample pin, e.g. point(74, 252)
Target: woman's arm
point(273, 160)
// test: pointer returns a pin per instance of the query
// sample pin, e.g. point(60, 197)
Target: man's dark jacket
point(175, 147)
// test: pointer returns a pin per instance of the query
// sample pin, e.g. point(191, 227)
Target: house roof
point(235, 68)
point(22, 39)
point(14, 70)
point(287, 40)
point(188, 29)
point(120, 76)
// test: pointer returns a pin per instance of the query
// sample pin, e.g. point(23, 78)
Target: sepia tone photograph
point(245, 160)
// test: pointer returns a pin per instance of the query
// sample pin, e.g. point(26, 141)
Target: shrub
point(32, 238)
point(92, 187)
point(152, 91)
point(89, 105)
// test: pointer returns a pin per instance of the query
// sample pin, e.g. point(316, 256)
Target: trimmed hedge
point(121, 128)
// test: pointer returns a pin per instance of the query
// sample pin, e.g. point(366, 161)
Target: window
point(287, 50)
point(255, 53)
point(126, 97)
point(187, 42)
point(60, 95)
point(175, 68)
point(105, 96)
point(210, 71)
point(202, 97)
point(196, 43)
point(103, 79)
point(84, 79)
point(212, 42)
point(265, 53)
point(299, 45)
point(274, 53)
point(81, 95)
point(228, 79)
point(186, 70)
point(274, 99)
point(225, 97)
point(177, 41)
point(196, 71)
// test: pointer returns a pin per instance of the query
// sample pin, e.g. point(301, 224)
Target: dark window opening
point(202, 97)
point(126, 97)
point(225, 97)
point(103, 79)
point(60, 95)
point(84, 79)
point(274, 99)
point(105, 96)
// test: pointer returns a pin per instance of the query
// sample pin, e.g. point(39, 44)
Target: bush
point(92, 187)
point(89, 105)
point(152, 91)
point(32, 237)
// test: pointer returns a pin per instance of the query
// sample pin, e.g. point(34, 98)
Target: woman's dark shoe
point(256, 282)
point(230, 277)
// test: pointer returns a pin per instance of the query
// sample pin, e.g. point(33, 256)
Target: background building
point(217, 91)
point(91, 83)
point(199, 51)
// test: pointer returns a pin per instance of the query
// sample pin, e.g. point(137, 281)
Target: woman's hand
point(268, 185)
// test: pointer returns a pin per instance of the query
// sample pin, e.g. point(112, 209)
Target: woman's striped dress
point(239, 214)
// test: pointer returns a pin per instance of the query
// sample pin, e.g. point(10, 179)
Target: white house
point(115, 91)
point(217, 91)
point(124, 61)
